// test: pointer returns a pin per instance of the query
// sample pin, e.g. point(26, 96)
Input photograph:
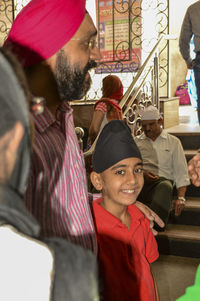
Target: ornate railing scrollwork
point(6, 18)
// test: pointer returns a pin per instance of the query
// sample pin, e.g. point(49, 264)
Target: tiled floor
point(173, 274)
point(188, 115)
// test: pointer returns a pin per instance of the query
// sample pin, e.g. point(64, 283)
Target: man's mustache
point(90, 65)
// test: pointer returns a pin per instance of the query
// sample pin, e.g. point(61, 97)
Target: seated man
point(164, 166)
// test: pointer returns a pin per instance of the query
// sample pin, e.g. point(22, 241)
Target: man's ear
point(96, 180)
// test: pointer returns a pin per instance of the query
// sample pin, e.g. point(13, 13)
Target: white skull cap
point(150, 113)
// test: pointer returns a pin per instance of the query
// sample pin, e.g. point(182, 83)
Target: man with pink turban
point(56, 43)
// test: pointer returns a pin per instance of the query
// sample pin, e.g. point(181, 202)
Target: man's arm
point(185, 38)
point(180, 174)
point(151, 216)
point(179, 204)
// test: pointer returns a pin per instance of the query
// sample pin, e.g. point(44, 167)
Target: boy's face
point(121, 183)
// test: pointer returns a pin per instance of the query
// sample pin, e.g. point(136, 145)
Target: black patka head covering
point(115, 143)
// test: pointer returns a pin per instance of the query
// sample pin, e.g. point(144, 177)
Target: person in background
point(106, 108)
point(126, 244)
point(194, 169)
point(31, 269)
point(56, 43)
point(164, 166)
point(190, 28)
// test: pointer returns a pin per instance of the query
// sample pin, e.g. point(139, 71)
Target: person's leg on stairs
point(162, 200)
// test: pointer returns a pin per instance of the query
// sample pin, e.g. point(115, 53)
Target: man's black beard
point(71, 81)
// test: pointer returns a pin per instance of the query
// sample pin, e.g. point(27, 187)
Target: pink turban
point(43, 27)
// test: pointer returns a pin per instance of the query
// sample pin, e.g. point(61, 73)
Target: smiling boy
point(125, 240)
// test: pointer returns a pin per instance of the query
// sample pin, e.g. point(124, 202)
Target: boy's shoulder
point(136, 213)
point(101, 213)
point(138, 216)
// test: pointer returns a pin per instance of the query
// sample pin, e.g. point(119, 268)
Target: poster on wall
point(119, 35)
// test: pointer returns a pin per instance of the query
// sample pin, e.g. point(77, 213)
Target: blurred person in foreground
point(31, 269)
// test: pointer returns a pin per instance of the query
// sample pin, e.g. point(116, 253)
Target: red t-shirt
point(125, 255)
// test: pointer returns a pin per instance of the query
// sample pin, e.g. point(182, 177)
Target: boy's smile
point(121, 183)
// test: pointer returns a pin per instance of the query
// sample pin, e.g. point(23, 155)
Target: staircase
point(182, 235)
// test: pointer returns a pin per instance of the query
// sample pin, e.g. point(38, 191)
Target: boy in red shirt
point(125, 240)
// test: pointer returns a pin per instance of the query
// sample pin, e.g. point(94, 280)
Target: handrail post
point(156, 81)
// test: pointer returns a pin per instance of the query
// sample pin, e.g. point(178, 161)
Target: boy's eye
point(139, 170)
point(120, 172)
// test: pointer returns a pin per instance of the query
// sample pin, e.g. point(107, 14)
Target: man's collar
point(46, 119)
point(163, 134)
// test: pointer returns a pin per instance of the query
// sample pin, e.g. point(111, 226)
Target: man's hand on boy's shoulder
point(151, 216)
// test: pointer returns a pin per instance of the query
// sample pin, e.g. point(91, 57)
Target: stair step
point(182, 232)
point(189, 216)
point(184, 129)
point(192, 203)
point(189, 140)
point(180, 240)
point(192, 191)
point(189, 153)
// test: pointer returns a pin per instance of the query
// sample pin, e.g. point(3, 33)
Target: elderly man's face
point(74, 61)
point(152, 128)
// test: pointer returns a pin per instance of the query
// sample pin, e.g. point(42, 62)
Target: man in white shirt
point(164, 166)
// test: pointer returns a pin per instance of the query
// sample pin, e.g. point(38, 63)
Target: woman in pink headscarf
point(107, 107)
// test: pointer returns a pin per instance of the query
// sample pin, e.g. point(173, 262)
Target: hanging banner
point(119, 35)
